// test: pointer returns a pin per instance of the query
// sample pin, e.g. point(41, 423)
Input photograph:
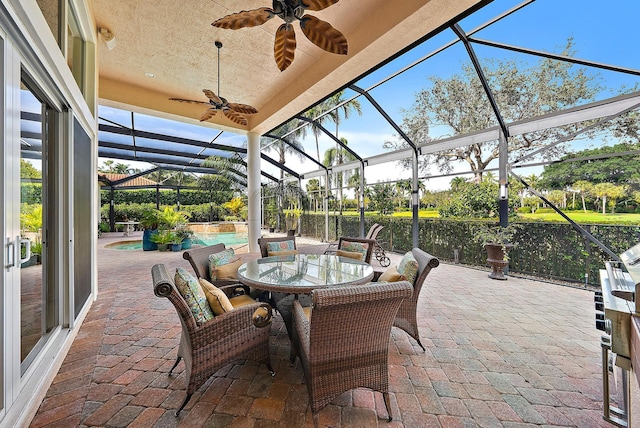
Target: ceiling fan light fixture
point(319, 32)
point(233, 111)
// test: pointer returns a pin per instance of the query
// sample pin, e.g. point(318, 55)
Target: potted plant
point(176, 242)
point(186, 235)
point(149, 222)
point(162, 238)
point(498, 241)
point(170, 218)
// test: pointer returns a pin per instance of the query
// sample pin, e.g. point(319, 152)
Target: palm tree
point(338, 156)
point(282, 148)
point(316, 113)
point(345, 109)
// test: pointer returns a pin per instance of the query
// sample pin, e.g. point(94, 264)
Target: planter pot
point(34, 260)
point(186, 243)
point(176, 247)
point(147, 245)
point(162, 247)
point(497, 260)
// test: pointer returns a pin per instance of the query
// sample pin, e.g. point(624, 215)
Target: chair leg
point(273, 373)
point(421, 345)
point(184, 403)
point(175, 364)
point(387, 404)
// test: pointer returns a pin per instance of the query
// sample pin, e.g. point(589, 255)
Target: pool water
point(227, 238)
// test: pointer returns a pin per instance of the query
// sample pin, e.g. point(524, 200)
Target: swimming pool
point(226, 238)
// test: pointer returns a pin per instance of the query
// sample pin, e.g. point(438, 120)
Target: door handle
point(27, 245)
point(10, 249)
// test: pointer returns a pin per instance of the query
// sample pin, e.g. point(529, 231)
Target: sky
point(602, 32)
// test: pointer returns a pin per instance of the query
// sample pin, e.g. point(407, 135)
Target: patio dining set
point(338, 311)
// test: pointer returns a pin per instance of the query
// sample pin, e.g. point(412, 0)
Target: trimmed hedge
point(545, 250)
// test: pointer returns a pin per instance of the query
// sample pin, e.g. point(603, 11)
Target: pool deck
point(516, 353)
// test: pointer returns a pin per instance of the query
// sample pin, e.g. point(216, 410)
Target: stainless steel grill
point(615, 304)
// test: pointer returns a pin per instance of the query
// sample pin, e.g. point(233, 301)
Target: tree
point(521, 91)
point(344, 110)
point(381, 196)
point(27, 170)
point(337, 156)
point(614, 169)
point(235, 206)
point(110, 166)
point(232, 168)
point(585, 188)
point(283, 148)
point(314, 189)
point(611, 191)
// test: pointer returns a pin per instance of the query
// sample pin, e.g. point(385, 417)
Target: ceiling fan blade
point(246, 18)
point(236, 117)
point(242, 108)
point(208, 114)
point(284, 46)
point(184, 100)
point(318, 4)
point(212, 96)
point(323, 35)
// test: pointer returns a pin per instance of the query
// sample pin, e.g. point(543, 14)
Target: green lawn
point(590, 217)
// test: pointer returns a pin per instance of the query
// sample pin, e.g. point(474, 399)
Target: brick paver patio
point(513, 353)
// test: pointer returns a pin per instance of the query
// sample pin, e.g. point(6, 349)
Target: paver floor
point(513, 353)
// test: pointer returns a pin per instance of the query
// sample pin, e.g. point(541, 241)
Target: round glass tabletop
point(303, 273)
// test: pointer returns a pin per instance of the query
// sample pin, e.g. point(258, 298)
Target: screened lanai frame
point(180, 158)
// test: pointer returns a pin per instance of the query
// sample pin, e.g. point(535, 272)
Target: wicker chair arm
point(262, 315)
point(229, 323)
point(301, 325)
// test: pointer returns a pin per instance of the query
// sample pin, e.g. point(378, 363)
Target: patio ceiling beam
point(127, 147)
point(549, 55)
point(384, 114)
point(483, 79)
point(302, 152)
point(279, 165)
point(330, 135)
point(169, 138)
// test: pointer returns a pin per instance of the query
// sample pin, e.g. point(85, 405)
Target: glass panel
point(37, 303)
point(75, 49)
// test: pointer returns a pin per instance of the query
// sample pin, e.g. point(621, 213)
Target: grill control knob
point(599, 316)
point(601, 325)
point(599, 306)
point(597, 298)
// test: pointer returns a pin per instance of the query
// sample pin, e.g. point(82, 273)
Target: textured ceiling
point(174, 40)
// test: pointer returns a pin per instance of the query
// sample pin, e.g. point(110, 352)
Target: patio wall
point(545, 250)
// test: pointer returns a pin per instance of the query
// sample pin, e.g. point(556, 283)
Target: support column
point(503, 201)
point(414, 200)
point(361, 199)
point(326, 207)
point(253, 190)
point(112, 212)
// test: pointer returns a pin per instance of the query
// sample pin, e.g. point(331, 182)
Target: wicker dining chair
point(263, 243)
point(240, 334)
point(345, 241)
point(406, 318)
point(344, 343)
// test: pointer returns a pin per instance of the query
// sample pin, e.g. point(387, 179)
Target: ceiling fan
point(319, 32)
point(233, 111)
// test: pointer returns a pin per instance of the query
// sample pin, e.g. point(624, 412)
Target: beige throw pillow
point(218, 301)
point(282, 253)
point(391, 275)
point(351, 254)
point(229, 271)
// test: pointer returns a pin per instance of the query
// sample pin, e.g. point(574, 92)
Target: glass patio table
point(303, 273)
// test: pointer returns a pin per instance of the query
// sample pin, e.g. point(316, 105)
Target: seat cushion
point(408, 267)
point(359, 247)
point(283, 253)
point(241, 300)
point(193, 295)
point(218, 259)
point(391, 275)
point(218, 301)
point(288, 245)
point(227, 271)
